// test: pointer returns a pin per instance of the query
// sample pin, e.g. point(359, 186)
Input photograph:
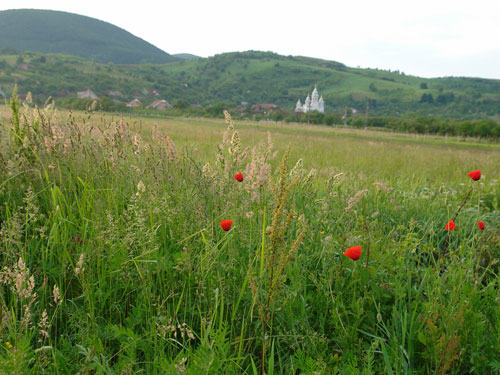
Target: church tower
point(312, 103)
point(315, 100)
point(298, 107)
point(307, 104)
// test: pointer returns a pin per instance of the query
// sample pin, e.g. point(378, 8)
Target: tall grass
point(114, 262)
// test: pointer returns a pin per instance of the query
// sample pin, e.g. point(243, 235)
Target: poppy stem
point(479, 256)
point(463, 203)
point(367, 228)
point(445, 246)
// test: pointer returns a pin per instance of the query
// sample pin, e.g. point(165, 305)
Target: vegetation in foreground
point(115, 259)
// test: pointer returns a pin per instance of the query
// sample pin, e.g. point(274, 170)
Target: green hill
point(254, 77)
point(60, 32)
point(186, 56)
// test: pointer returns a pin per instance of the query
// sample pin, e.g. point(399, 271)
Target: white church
point(314, 104)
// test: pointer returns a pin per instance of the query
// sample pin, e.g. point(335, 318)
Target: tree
point(427, 98)
point(445, 98)
point(423, 86)
point(316, 117)
point(181, 104)
point(216, 110)
point(277, 116)
point(331, 120)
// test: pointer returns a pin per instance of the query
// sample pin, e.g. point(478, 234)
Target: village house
point(86, 94)
point(160, 105)
point(154, 92)
point(264, 108)
point(114, 93)
point(136, 103)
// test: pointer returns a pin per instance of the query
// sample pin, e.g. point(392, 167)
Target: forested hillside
point(253, 77)
point(60, 32)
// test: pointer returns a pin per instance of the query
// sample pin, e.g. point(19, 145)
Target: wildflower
point(475, 175)
point(8, 344)
point(238, 177)
point(353, 252)
point(480, 224)
point(226, 224)
point(322, 232)
point(450, 225)
point(77, 239)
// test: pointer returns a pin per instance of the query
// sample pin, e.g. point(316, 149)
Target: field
point(115, 258)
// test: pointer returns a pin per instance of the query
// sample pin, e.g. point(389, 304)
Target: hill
point(60, 32)
point(265, 77)
point(254, 77)
point(186, 56)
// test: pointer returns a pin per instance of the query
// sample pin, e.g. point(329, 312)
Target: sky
point(427, 38)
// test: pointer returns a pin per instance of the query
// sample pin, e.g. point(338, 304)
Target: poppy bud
point(480, 224)
point(239, 177)
point(475, 175)
point(226, 224)
point(353, 252)
point(451, 225)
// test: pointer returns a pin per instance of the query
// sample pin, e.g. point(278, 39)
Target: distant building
point(264, 108)
point(314, 104)
point(86, 94)
point(154, 92)
point(160, 105)
point(114, 93)
point(136, 103)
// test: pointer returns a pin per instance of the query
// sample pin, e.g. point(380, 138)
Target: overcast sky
point(427, 38)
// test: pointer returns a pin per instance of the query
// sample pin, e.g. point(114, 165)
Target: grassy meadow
point(114, 260)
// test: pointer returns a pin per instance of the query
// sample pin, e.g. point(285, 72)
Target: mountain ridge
point(50, 31)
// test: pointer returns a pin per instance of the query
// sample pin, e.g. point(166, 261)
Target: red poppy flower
point(353, 252)
point(226, 224)
point(451, 225)
point(475, 175)
point(480, 224)
point(239, 177)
